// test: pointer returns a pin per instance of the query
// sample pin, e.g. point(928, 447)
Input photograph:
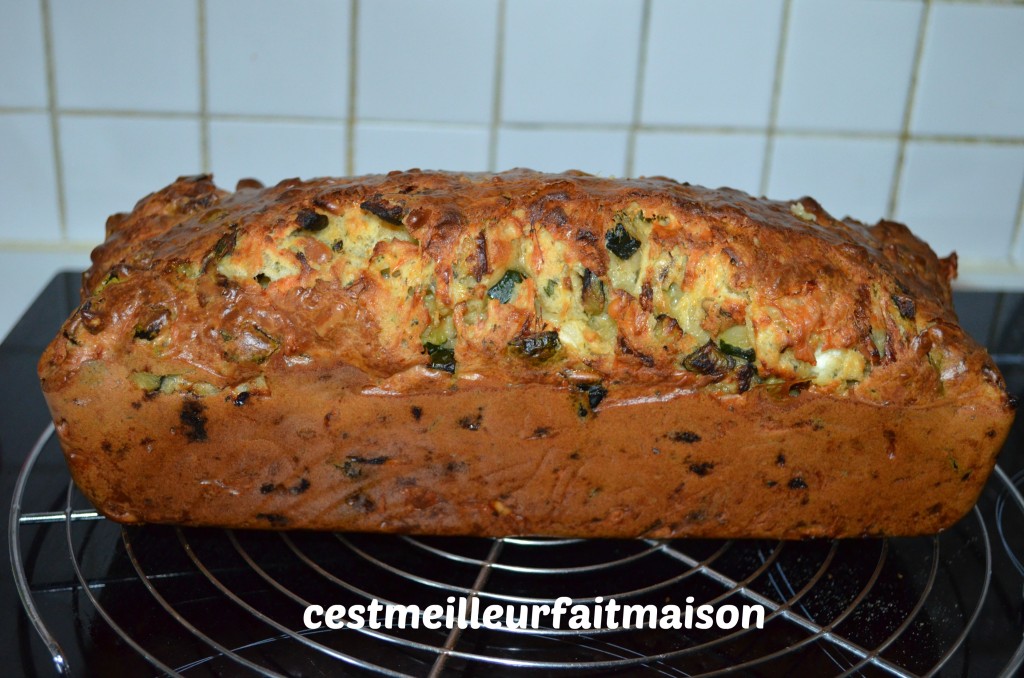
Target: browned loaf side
point(520, 353)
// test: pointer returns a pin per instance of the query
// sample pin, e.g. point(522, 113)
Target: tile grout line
point(1017, 240)
point(429, 125)
point(773, 114)
point(499, 86)
point(353, 72)
point(638, 89)
point(980, 2)
point(204, 103)
point(51, 107)
point(16, 110)
point(123, 113)
point(908, 112)
point(963, 139)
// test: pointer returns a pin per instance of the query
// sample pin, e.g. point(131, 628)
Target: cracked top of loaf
point(439, 280)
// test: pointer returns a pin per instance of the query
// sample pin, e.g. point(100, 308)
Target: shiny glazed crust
point(520, 353)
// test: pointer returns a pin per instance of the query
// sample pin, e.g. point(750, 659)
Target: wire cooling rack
point(108, 600)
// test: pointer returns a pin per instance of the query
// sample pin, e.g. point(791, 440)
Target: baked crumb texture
point(530, 309)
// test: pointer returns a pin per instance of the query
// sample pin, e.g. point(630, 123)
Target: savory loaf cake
point(520, 353)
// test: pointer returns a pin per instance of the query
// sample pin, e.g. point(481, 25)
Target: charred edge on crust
point(745, 375)
point(479, 267)
point(376, 206)
point(624, 348)
point(308, 220)
point(905, 305)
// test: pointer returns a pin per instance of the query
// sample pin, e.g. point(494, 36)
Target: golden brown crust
point(496, 354)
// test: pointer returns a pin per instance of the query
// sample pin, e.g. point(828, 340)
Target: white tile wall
point(848, 177)
point(707, 159)
point(848, 64)
point(271, 152)
point(458, 83)
point(126, 54)
point(972, 72)
point(573, 61)
point(27, 183)
point(912, 108)
point(711, 62)
point(112, 162)
point(383, 147)
point(22, 58)
point(277, 58)
point(597, 152)
point(967, 194)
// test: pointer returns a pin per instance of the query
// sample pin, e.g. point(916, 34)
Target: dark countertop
point(23, 415)
point(996, 319)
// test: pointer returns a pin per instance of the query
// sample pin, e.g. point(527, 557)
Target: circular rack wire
point(187, 601)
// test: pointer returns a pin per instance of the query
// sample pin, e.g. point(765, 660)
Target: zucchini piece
point(595, 394)
point(150, 325)
point(735, 341)
point(115, 275)
point(620, 243)
point(593, 296)
point(226, 244)
point(441, 357)
point(540, 346)
point(503, 289)
point(147, 381)
point(737, 352)
point(709, 360)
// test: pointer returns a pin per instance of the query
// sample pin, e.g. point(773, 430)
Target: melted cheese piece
point(837, 364)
